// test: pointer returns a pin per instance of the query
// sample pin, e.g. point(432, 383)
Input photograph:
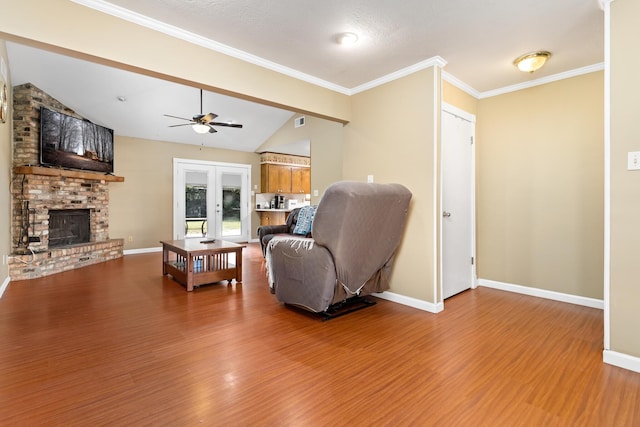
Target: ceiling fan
point(202, 123)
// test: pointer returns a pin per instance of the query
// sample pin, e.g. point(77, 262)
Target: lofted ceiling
point(92, 90)
point(477, 39)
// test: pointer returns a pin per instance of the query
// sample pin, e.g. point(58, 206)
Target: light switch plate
point(633, 161)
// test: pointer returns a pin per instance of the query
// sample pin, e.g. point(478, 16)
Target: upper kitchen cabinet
point(275, 178)
point(280, 173)
point(301, 180)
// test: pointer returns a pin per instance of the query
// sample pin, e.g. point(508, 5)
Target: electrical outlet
point(130, 239)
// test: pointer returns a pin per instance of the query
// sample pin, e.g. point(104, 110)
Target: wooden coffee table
point(193, 263)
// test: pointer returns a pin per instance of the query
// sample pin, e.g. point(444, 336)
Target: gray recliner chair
point(356, 231)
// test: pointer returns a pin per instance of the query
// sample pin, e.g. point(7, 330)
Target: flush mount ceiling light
point(347, 38)
point(530, 62)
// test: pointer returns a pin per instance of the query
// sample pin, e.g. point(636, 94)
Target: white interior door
point(211, 200)
point(458, 218)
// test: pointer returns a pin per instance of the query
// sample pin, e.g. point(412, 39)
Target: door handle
point(446, 214)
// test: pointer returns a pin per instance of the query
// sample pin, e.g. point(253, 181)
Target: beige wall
point(625, 185)
point(325, 137)
point(5, 173)
point(70, 28)
point(529, 188)
point(459, 98)
point(392, 137)
point(540, 186)
point(142, 205)
point(326, 155)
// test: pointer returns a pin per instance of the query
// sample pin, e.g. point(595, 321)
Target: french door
point(211, 200)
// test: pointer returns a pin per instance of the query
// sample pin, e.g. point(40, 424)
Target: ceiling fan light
point(530, 62)
point(200, 128)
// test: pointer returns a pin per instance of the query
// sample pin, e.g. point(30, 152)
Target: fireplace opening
point(69, 226)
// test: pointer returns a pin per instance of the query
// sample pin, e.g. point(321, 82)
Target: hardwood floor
point(119, 344)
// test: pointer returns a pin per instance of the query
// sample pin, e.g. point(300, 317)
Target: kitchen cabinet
point(301, 180)
point(276, 178)
point(271, 217)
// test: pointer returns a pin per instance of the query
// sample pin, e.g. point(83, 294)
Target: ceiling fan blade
point(208, 117)
point(202, 119)
point(229, 125)
point(176, 117)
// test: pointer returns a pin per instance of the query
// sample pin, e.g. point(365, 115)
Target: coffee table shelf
point(193, 263)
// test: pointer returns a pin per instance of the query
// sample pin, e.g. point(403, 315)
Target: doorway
point(458, 201)
point(211, 200)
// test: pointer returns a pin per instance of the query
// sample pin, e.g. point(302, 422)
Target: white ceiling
point(478, 39)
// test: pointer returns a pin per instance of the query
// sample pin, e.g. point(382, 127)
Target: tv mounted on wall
point(70, 142)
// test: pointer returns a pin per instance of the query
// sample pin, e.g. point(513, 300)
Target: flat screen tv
point(70, 142)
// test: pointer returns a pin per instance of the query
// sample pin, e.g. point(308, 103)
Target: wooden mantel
point(39, 170)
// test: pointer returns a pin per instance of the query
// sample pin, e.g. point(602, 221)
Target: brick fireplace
point(42, 195)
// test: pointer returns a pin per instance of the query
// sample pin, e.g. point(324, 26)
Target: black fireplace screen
point(69, 226)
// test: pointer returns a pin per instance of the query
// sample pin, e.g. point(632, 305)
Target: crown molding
point(170, 30)
point(604, 3)
point(549, 79)
point(460, 84)
point(513, 88)
point(435, 61)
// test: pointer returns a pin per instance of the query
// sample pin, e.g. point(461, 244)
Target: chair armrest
point(263, 230)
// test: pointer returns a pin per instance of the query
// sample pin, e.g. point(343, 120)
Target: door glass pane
point(195, 204)
point(231, 187)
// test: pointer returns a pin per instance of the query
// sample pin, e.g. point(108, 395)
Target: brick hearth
point(34, 193)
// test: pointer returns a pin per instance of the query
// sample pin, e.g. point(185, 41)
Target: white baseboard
point(141, 251)
point(621, 360)
point(411, 302)
point(4, 286)
point(543, 293)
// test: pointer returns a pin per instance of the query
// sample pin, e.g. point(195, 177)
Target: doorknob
point(446, 214)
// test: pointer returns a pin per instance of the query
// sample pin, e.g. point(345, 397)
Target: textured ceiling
point(478, 40)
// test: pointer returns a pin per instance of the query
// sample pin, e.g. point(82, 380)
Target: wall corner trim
point(543, 293)
point(4, 286)
point(621, 360)
point(411, 302)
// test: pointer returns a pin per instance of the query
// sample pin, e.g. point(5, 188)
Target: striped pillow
point(305, 220)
